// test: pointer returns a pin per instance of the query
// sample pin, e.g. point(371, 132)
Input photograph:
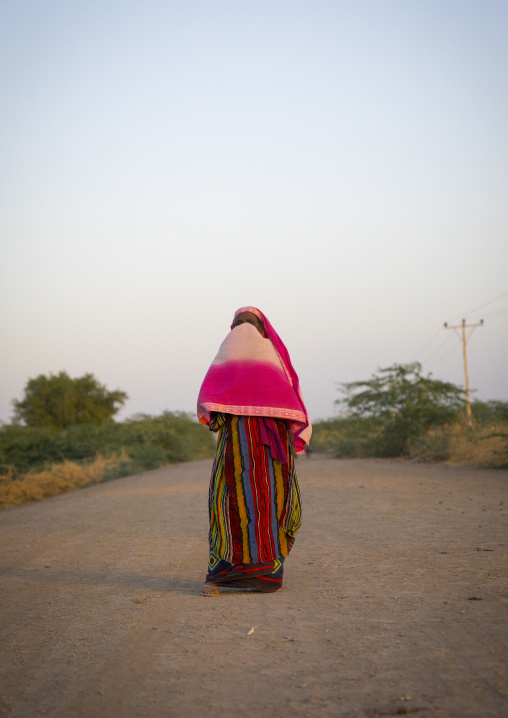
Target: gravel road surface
point(394, 602)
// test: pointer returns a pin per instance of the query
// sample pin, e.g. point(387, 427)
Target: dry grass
point(476, 445)
point(16, 489)
point(479, 446)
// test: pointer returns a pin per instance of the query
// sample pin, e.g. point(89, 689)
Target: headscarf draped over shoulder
point(252, 375)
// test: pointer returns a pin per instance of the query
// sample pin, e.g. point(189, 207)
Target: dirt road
point(394, 602)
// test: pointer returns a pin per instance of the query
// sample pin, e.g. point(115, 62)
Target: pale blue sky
point(341, 165)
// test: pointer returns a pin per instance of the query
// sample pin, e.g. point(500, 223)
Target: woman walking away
point(251, 397)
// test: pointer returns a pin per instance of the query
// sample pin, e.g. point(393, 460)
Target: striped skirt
point(254, 505)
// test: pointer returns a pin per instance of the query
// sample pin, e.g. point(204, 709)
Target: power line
point(448, 337)
point(427, 344)
point(497, 312)
point(438, 361)
point(504, 294)
point(494, 314)
point(476, 309)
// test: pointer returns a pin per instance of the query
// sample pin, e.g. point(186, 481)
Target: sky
point(343, 166)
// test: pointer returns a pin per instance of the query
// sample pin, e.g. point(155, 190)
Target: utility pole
point(464, 340)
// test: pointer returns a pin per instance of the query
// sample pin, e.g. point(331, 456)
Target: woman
point(251, 397)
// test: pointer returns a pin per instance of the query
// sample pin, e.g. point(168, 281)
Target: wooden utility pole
point(464, 340)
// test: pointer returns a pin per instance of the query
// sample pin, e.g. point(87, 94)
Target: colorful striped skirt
point(254, 505)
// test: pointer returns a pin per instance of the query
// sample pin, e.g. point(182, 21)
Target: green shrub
point(490, 412)
point(149, 441)
point(351, 437)
point(406, 402)
point(479, 444)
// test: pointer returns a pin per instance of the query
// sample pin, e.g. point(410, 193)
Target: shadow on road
point(133, 581)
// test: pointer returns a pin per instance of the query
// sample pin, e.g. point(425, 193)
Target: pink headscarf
point(231, 384)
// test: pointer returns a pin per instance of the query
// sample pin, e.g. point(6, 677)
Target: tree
point(58, 401)
point(408, 401)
